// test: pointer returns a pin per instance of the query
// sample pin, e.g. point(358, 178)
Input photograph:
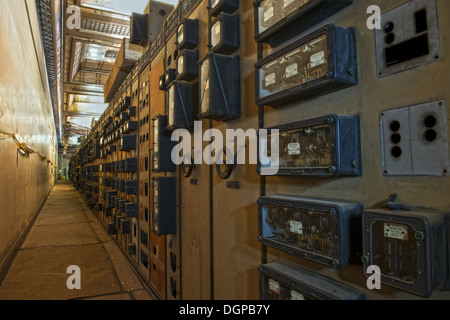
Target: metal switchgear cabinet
point(220, 87)
point(280, 280)
point(162, 146)
point(276, 21)
point(410, 246)
point(321, 62)
point(327, 146)
point(164, 211)
point(324, 231)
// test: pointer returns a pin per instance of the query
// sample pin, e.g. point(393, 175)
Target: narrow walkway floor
point(67, 233)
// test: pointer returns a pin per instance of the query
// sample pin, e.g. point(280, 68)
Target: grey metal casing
point(301, 284)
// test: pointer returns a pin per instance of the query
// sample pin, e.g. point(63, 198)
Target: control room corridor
point(66, 233)
point(182, 152)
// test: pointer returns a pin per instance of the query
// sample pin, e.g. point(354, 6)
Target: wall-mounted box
point(139, 29)
point(224, 36)
point(127, 143)
point(220, 87)
point(122, 165)
point(327, 146)
point(408, 38)
point(187, 34)
point(324, 231)
point(322, 62)
point(122, 204)
point(124, 116)
point(122, 185)
point(410, 246)
point(162, 146)
point(132, 187)
point(131, 210)
point(131, 165)
point(110, 202)
point(170, 76)
point(164, 211)
point(187, 65)
point(125, 226)
point(182, 100)
point(277, 21)
point(129, 127)
point(215, 7)
point(414, 140)
point(132, 111)
point(281, 280)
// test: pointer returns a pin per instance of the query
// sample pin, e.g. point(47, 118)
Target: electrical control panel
point(215, 7)
point(276, 21)
point(324, 231)
point(182, 99)
point(414, 140)
point(164, 205)
point(127, 143)
point(187, 65)
point(326, 146)
point(131, 165)
point(408, 38)
point(321, 62)
point(162, 146)
point(139, 29)
point(131, 210)
point(170, 76)
point(187, 34)
point(281, 280)
point(410, 246)
point(129, 127)
point(220, 87)
point(225, 34)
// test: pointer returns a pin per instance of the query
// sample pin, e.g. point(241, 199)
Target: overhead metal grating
point(44, 8)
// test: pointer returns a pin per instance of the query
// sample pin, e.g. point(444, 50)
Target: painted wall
point(25, 110)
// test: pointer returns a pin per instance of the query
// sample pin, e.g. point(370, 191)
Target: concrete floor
point(67, 233)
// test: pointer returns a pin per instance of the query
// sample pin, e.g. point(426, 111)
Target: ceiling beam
point(89, 35)
point(103, 17)
point(96, 71)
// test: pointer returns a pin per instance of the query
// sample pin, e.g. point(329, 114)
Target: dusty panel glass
point(300, 65)
point(308, 230)
point(395, 250)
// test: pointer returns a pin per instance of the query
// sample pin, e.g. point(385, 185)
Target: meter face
point(272, 11)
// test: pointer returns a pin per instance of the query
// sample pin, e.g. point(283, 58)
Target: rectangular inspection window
point(279, 20)
point(320, 230)
point(315, 147)
point(321, 62)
